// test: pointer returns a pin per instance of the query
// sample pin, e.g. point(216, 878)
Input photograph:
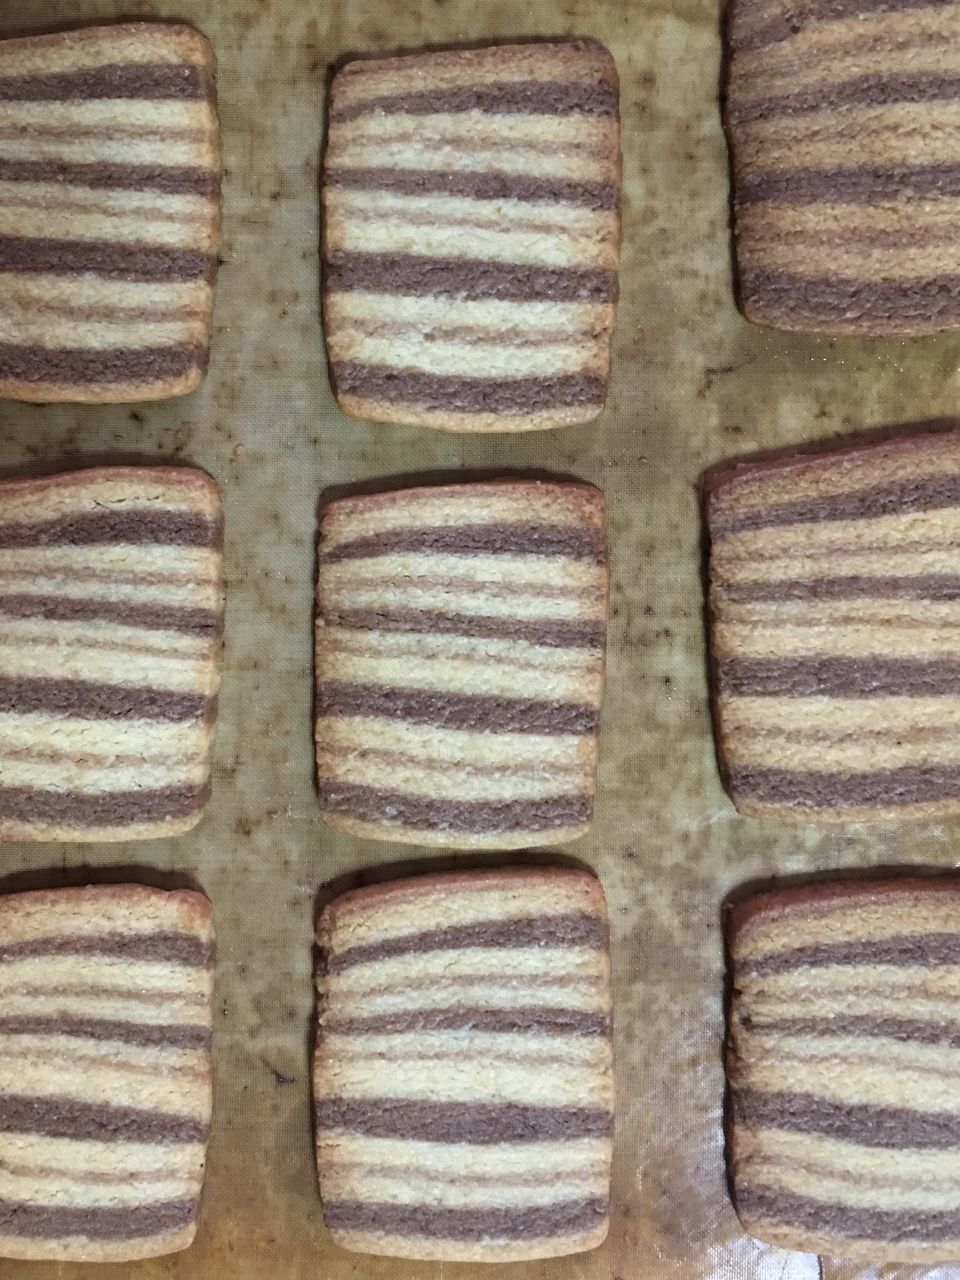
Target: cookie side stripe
point(560, 1218)
point(531, 931)
point(481, 712)
point(167, 948)
point(864, 1124)
point(168, 179)
point(493, 539)
point(166, 528)
point(922, 950)
point(98, 366)
point(873, 184)
point(904, 1029)
point(476, 1123)
point(156, 1035)
point(149, 617)
point(139, 80)
point(866, 91)
point(94, 1222)
point(844, 298)
point(541, 1021)
point(90, 701)
point(862, 677)
point(58, 1117)
point(930, 494)
point(800, 789)
point(553, 634)
point(372, 804)
point(475, 186)
point(819, 11)
point(931, 586)
point(460, 394)
point(827, 1219)
point(37, 807)
point(110, 260)
point(471, 279)
point(511, 97)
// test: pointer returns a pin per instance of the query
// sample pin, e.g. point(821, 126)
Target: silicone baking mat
point(693, 383)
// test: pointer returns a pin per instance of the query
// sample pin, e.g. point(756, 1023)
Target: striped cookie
point(109, 213)
point(105, 1075)
point(111, 606)
point(472, 236)
point(460, 663)
point(462, 1078)
point(845, 1028)
point(843, 123)
point(835, 600)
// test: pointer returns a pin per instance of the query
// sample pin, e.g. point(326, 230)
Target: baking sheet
point(693, 383)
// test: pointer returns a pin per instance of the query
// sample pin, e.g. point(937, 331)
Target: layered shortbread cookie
point(835, 602)
point(109, 212)
point(845, 1128)
point(843, 123)
point(111, 607)
point(462, 1077)
point(105, 1075)
point(472, 236)
point(460, 644)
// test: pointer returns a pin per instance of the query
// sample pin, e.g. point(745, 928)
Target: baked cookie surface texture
point(462, 1078)
point(842, 121)
point(844, 1125)
point(109, 213)
point(460, 651)
point(105, 1073)
point(111, 608)
point(835, 599)
point(472, 236)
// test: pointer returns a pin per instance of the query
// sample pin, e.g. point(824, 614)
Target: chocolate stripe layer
point(111, 80)
point(459, 394)
point(188, 180)
point(925, 586)
point(526, 931)
point(115, 525)
point(477, 1123)
point(540, 1020)
point(164, 948)
point(863, 677)
point(510, 97)
point(493, 539)
point(98, 365)
point(561, 1218)
point(860, 184)
point(58, 1117)
point(842, 298)
point(548, 631)
point(23, 695)
point(93, 1222)
point(172, 1035)
point(476, 186)
point(403, 808)
point(815, 12)
point(826, 1218)
point(108, 259)
point(36, 806)
point(930, 493)
point(906, 1029)
point(911, 784)
point(470, 279)
point(862, 1123)
point(149, 617)
point(484, 713)
point(867, 91)
point(927, 950)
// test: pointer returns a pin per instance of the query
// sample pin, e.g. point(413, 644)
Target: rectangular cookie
point(835, 604)
point(472, 236)
point(844, 1027)
point(105, 1071)
point(462, 1077)
point(109, 212)
point(846, 157)
point(111, 612)
point(460, 641)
